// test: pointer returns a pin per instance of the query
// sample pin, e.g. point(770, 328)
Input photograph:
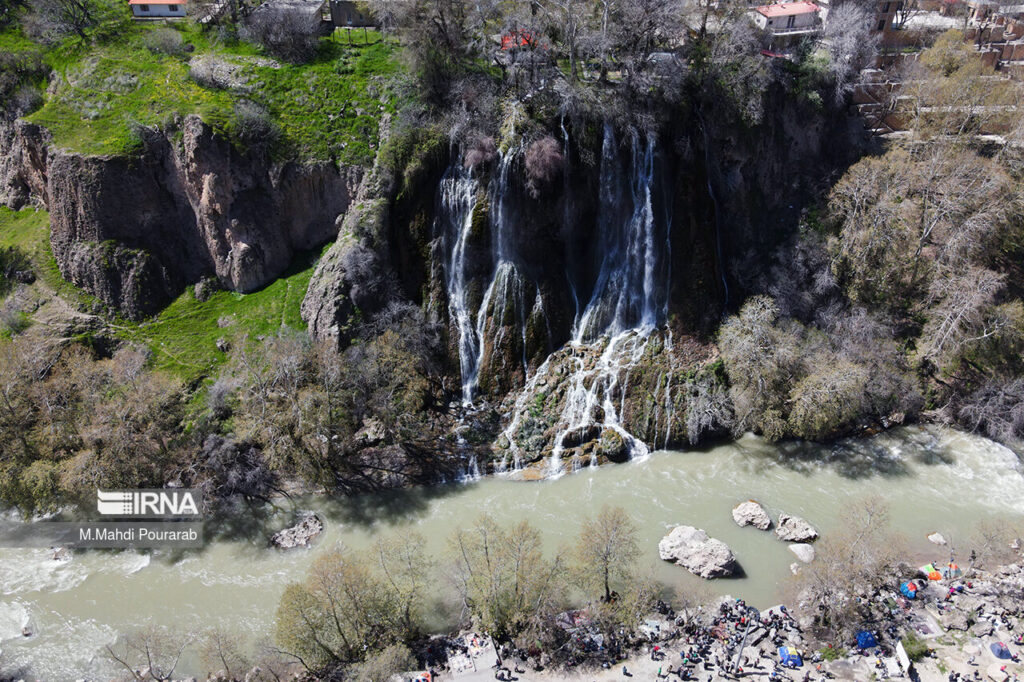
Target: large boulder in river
point(751, 513)
point(299, 535)
point(795, 529)
point(692, 549)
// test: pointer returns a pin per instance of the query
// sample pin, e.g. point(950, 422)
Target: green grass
point(112, 89)
point(327, 109)
point(184, 335)
point(331, 107)
point(29, 231)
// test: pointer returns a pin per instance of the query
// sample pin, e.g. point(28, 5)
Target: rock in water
point(751, 513)
point(804, 552)
point(692, 549)
point(937, 539)
point(299, 535)
point(795, 529)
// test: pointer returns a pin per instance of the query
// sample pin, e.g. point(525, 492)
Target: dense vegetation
point(897, 296)
point(118, 76)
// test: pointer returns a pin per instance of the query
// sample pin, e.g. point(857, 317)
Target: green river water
point(933, 479)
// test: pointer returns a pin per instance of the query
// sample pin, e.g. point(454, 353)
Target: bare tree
point(905, 11)
point(606, 551)
point(150, 654)
point(60, 17)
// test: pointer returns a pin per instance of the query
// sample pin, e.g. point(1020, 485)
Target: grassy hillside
point(183, 337)
point(131, 74)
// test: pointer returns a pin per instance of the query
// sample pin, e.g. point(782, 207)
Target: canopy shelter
point(790, 657)
point(950, 571)
point(1000, 651)
point(931, 572)
point(866, 640)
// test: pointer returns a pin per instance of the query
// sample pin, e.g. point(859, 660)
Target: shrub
point(252, 128)
point(286, 35)
point(165, 41)
point(915, 647)
point(543, 164)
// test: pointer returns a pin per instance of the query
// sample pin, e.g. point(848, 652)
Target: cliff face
point(134, 231)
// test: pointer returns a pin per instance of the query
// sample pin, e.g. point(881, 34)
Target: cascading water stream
point(458, 200)
point(458, 197)
point(629, 300)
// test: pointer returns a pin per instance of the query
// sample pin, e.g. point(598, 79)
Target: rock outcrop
point(692, 549)
point(751, 513)
point(299, 535)
point(804, 552)
point(135, 230)
point(795, 529)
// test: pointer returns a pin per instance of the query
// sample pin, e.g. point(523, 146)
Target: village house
point(788, 18)
point(157, 9)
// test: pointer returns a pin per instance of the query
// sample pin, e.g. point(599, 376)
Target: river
point(933, 479)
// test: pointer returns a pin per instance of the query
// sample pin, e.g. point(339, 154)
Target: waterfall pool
point(933, 479)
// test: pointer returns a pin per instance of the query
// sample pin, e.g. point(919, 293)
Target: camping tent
point(931, 572)
point(1000, 651)
point(908, 589)
point(951, 570)
point(866, 640)
point(790, 657)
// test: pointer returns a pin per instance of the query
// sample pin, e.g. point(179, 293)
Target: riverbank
point(934, 479)
point(949, 631)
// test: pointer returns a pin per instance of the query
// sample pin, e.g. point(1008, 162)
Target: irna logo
point(149, 503)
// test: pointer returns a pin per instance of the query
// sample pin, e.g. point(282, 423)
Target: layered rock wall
point(135, 230)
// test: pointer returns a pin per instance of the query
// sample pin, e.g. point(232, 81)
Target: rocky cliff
point(133, 231)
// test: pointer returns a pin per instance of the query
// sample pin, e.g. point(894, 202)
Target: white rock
point(795, 529)
point(299, 535)
point(692, 549)
point(751, 513)
point(937, 539)
point(794, 568)
point(804, 552)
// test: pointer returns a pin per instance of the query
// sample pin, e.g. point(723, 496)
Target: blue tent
point(866, 640)
point(790, 657)
point(1000, 650)
point(908, 590)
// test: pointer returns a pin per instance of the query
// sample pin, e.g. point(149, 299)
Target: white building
point(146, 9)
point(788, 17)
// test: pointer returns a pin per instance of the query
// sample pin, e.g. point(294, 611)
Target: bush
point(915, 647)
point(543, 164)
point(165, 41)
point(252, 128)
point(284, 34)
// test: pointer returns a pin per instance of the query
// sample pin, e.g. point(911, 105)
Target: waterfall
point(629, 299)
point(631, 291)
point(459, 193)
point(458, 198)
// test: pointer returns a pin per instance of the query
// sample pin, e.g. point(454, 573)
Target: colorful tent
point(950, 571)
point(908, 589)
point(1001, 651)
point(866, 640)
point(931, 572)
point(790, 657)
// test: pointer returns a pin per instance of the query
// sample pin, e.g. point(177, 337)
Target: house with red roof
point(157, 9)
point(785, 18)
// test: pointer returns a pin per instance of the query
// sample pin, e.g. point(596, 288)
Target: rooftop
point(787, 9)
